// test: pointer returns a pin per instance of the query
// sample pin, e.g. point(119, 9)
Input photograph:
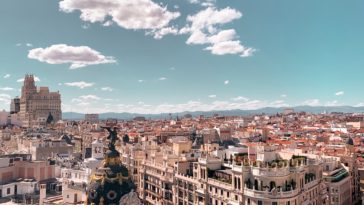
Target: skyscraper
point(15, 105)
point(36, 104)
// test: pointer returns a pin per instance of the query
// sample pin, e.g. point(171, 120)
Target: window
point(288, 203)
point(248, 201)
point(274, 203)
point(8, 191)
point(260, 203)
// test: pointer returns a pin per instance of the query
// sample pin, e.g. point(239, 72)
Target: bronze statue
point(113, 136)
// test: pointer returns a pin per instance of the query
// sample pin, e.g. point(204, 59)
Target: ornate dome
point(350, 141)
point(110, 182)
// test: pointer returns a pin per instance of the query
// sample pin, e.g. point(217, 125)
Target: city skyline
point(225, 55)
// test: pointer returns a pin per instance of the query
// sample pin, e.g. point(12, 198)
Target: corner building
point(37, 103)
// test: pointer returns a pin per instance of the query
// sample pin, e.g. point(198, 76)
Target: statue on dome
point(113, 136)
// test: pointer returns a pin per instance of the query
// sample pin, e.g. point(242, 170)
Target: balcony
point(218, 183)
point(272, 194)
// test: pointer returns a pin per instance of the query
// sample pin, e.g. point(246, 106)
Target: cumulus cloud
point(226, 82)
point(283, 95)
point(206, 3)
point(160, 33)
point(162, 78)
point(6, 76)
point(6, 88)
point(311, 102)
point(107, 89)
point(128, 14)
point(36, 79)
point(204, 28)
point(212, 96)
point(77, 56)
point(85, 100)
point(140, 81)
point(339, 93)
point(80, 84)
point(29, 44)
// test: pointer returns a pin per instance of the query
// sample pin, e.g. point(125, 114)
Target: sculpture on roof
point(113, 136)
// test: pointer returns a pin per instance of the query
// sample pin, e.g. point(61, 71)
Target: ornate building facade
point(36, 104)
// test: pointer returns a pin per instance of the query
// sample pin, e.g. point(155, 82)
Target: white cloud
point(29, 44)
point(160, 33)
point(80, 84)
point(77, 56)
point(5, 99)
point(230, 47)
point(107, 23)
point(140, 81)
point(204, 29)
point(6, 76)
point(206, 3)
point(36, 79)
point(211, 17)
point(359, 105)
point(85, 99)
point(6, 88)
point(128, 14)
point(278, 103)
point(106, 89)
point(226, 82)
point(162, 78)
point(339, 93)
point(18, 44)
point(89, 97)
point(283, 95)
point(332, 103)
point(240, 98)
point(311, 102)
point(212, 96)
point(197, 37)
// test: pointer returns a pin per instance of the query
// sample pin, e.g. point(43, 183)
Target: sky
point(152, 56)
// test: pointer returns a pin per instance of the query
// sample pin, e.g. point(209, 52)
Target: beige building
point(37, 103)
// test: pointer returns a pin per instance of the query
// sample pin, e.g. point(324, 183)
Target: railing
point(311, 184)
point(268, 194)
point(270, 172)
point(219, 183)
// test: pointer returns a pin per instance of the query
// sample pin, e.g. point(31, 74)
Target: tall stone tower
point(36, 104)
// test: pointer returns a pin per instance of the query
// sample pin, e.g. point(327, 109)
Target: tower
point(28, 86)
point(37, 103)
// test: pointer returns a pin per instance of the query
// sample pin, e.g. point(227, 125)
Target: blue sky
point(152, 56)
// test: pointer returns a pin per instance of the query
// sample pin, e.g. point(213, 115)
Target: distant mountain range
point(237, 112)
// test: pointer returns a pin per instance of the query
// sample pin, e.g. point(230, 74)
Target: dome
point(111, 181)
point(350, 141)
